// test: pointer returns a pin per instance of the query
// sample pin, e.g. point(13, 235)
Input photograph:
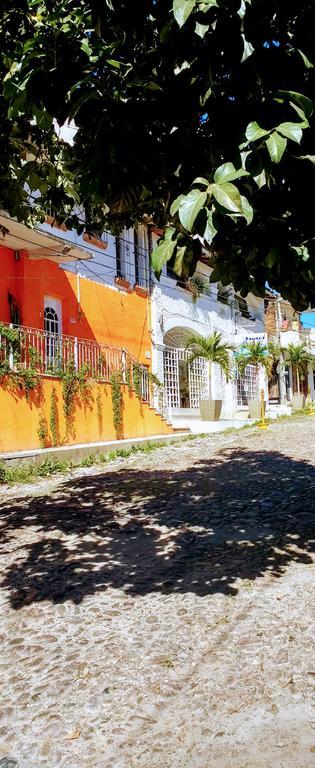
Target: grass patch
point(24, 473)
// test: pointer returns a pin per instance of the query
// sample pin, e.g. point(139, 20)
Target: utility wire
point(130, 263)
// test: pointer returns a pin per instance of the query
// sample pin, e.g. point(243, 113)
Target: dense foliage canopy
point(207, 103)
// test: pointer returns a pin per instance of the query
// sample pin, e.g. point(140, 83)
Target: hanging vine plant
point(42, 431)
point(53, 418)
point(12, 360)
point(128, 376)
point(117, 402)
point(136, 375)
point(99, 411)
point(73, 383)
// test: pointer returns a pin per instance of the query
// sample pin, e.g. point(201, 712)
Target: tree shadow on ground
point(239, 515)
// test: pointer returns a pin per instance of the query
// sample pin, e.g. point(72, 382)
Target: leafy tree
point(211, 348)
point(254, 353)
point(195, 115)
point(274, 351)
point(299, 357)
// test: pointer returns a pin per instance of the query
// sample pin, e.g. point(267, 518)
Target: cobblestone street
point(159, 612)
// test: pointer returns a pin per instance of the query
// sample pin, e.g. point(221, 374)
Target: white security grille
point(247, 385)
point(221, 386)
point(198, 381)
point(198, 378)
point(171, 377)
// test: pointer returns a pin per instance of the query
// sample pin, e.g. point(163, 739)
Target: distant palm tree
point(274, 351)
point(211, 348)
point(254, 353)
point(299, 357)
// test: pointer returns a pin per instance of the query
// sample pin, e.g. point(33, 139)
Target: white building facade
point(175, 313)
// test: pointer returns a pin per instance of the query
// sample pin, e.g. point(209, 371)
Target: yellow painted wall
point(92, 417)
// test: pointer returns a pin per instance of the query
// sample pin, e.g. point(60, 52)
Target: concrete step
point(75, 453)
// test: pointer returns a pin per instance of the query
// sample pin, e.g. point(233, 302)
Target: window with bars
point(247, 385)
point(132, 256)
point(51, 328)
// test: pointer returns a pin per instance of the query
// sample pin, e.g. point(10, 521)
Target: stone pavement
point(159, 612)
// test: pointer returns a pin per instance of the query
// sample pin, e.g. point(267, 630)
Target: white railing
point(52, 354)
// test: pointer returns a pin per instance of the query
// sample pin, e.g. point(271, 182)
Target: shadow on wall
point(239, 515)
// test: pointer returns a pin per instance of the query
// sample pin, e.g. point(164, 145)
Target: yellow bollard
point(262, 424)
point(309, 404)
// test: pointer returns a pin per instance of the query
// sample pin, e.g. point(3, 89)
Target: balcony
point(48, 354)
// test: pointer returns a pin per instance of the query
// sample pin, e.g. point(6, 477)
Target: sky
point(308, 319)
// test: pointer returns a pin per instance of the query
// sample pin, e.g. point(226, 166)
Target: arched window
point(51, 328)
point(51, 322)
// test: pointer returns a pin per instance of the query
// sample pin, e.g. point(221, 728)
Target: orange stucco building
point(87, 309)
point(54, 300)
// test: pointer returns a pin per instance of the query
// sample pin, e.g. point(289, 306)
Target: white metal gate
point(247, 385)
point(171, 377)
point(198, 381)
point(198, 378)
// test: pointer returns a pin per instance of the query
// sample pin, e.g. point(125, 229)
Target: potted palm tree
point(298, 356)
point(214, 350)
point(257, 354)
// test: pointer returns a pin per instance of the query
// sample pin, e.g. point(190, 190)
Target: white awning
point(39, 245)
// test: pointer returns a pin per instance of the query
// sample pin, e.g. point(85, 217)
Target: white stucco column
point(310, 378)
point(290, 383)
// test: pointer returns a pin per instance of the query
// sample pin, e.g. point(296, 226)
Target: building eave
point(38, 244)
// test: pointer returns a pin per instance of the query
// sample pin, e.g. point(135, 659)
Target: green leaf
point(175, 204)
point(164, 251)
point(228, 196)
point(182, 10)
point(114, 63)
point(276, 146)
point(291, 131)
point(248, 49)
point(272, 257)
point(301, 114)
point(302, 101)
point(152, 86)
point(308, 64)
point(190, 207)
point(201, 180)
point(204, 99)
point(260, 179)
point(302, 251)
point(179, 258)
point(248, 211)
point(227, 172)
point(204, 5)
point(201, 29)
point(254, 132)
point(86, 47)
point(311, 158)
point(210, 230)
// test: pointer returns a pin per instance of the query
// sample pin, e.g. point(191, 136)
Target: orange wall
point(9, 282)
point(92, 419)
point(105, 314)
